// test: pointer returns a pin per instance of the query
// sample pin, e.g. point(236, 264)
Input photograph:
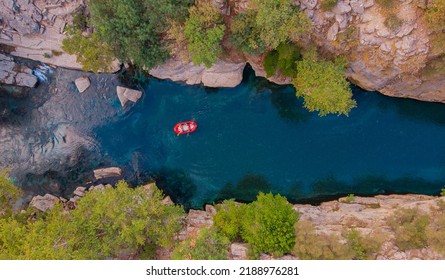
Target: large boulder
point(82, 83)
point(221, 74)
point(44, 203)
point(107, 172)
point(126, 94)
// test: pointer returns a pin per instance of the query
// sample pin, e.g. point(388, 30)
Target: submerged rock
point(126, 94)
point(82, 83)
point(107, 172)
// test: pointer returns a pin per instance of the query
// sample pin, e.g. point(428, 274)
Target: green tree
point(268, 224)
point(106, 224)
point(323, 86)
point(228, 218)
point(204, 30)
point(363, 246)
point(207, 245)
point(93, 54)
point(280, 21)
point(124, 220)
point(270, 63)
point(134, 28)
point(9, 193)
point(245, 34)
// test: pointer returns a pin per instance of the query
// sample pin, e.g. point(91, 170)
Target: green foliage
point(204, 30)
point(393, 22)
point(120, 220)
point(9, 193)
point(228, 218)
point(280, 21)
point(442, 192)
point(288, 55)
point(133, 28)
point(323, 86)
point(268, 224)
point(349, 199)
point(207, 245)
point(328, 5)
point(435, 15)
point(364, 247)
point(271, 63)
point(92, 53)
point(409, 226)
point(312, 246)
point(245, 34)
point(80, 20)
point(283, 59)
point(106, 224)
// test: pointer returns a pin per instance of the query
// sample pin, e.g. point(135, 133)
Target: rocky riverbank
point(396, 61)
point(366, 214)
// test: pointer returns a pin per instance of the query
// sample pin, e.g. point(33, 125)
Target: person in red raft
point(185, 127)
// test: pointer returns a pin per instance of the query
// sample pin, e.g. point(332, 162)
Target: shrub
point(204, 30)
point(393, 22)
point(388, 4)
point(323, 85)
point(312, 246)
point(363, 246)
point(93, 54)
point(9, 193)
point(435, 233)
point(435, 15)
point(409, 226)
point(245, 34)
point(207, 245)
point(328, 5)
point(271, 63)
point(280, 21)
point(228, 218)
point(268, 225)
point(288, 55)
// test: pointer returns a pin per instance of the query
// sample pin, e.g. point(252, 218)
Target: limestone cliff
point(397, 61)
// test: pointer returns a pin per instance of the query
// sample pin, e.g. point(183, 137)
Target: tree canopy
point(323, 86)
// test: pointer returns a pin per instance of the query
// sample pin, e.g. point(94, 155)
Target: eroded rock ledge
point(366, 214)
point(15, 74)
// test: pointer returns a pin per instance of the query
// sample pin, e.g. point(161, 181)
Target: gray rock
point(368, 3)
point(221, 74)
point(309, 4)
point(357, 6)
point(126, 94)
point(82, 83)
point(15, 74)
point(238, 251)
point(341, 8)
point(405, 30)
point(107, 172)
point(386, 47)
point(79, 191)
point(44, 203)
point(332, 32)
point(167, 201)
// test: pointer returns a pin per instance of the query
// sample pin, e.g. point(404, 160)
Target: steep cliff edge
point(390, 50)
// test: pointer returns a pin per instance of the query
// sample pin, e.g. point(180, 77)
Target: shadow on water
point(411, 109)
point(246, 189)
point(177, 184)
point(329, 188)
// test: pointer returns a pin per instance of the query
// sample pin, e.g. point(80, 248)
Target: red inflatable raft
point(185, 127)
